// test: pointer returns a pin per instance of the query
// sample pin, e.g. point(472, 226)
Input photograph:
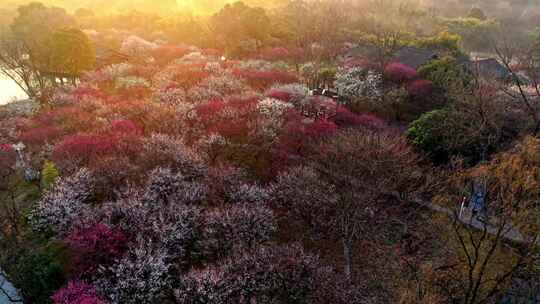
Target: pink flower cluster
point(261, 80)
point(83, 148)
point(280, 95)
point(77, 293)
point(400, 73)
point(408, 77)
point(345, 118)
point(420, 88)
point(125, 127)
point(164, 54)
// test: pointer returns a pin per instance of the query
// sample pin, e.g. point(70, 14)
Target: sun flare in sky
point(197, 7)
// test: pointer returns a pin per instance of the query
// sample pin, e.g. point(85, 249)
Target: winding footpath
point(8, 293)
point(510, 233)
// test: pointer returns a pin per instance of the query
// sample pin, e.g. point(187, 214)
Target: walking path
point(8, 293)
point(468, 219)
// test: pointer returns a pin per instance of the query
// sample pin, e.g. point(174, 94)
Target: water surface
point(10, 91)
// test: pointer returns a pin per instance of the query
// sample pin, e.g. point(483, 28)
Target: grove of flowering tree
point(163, 193)
point(285, 157)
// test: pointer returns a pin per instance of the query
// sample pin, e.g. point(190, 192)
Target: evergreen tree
point(49, 173)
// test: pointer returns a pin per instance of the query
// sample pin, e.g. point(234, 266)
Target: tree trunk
point(347, 254)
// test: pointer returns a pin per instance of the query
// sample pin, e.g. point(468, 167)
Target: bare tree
point(483, 115)
point(514, 56)
point(14, 63)
point(384, 34)
point(483, 257)
point(367, 168)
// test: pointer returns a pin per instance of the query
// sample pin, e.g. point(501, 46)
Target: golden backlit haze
point(198, 7)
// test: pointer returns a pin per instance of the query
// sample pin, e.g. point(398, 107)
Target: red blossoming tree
point(76, 293)
point(344, 118)
point(79, 150)
point(95, 245)
point(400, 73)
point(164, 54)
point(262, 80)
point(420, 88)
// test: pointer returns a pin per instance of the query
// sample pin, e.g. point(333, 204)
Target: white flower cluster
point(140, 277)
point(179, 157)
point(216, 87)
point(265, 275)
point(173, 96)
point(61, 98)
point(64, 204)
point(248, 194)
point(114, 71)
point(237, 226)
point(186, 110)
point(130, 82)
point(20, 108)
point(193, 56)
point(273, 108)
point(226, 84)
point(213, 67)
point(136, 46)
point(166, 187)
point(171, 225)
point(256, 65)
point(175, 229)
point(211, 143)
point(357, 83)
point(199, 94)
point(219, 85)
point(201, 286)
point(297, 91)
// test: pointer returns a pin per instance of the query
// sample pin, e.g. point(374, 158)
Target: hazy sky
point(167, 6)
point(495, 8)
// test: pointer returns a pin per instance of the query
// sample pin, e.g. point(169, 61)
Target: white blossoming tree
point(136, 46)
point(249, 194)
point(129, 82)
point(273, 108)
point(297, 93)
point(256, 65)
point(64, 204)
point(114, 71)
point(165, 187)
point(357, 82)
point(241, 226)
point(161, 150)
point(140, 277)
point(265, 275)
